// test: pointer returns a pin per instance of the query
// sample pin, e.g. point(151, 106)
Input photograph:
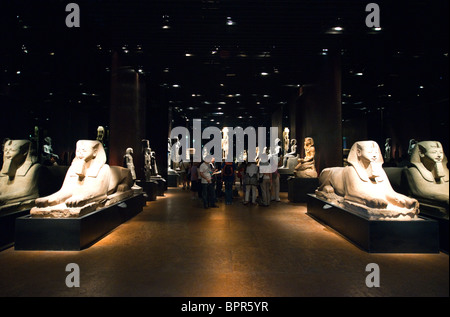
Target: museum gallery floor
point(175, 248)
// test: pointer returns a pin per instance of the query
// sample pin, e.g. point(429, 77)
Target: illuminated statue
point(225, 143)
point(128, 160)
point(364, 187)
point(20, 176)
point(286, 140)
point(306, 166)
point(291, 154)
point(89, 183)
point(428, 175)
point(387, 150)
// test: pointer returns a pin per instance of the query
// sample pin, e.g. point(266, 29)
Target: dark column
point(319, 115)
point(127, 114)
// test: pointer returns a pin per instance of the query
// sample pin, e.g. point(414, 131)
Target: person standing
point(194, 180)
point(276, 186)
point(251, 182)
point(205, 173)
point(228, 177)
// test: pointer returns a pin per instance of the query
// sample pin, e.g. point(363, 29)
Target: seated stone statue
point(21, 177)
point(306, 167)
point(364, 187)
point(428, 175)
point(291, 154)
point(89, 184)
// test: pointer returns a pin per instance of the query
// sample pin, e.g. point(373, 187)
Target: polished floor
point(175, 248)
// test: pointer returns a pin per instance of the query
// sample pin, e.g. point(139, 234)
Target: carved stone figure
point(129, 163)
point(169, 154)
point(89, 184)
point(277, 149)
point(285, 140)
point(20, 176)
point(428, 176)
point(364, 187)
point(387, 150)
point(291, 154)
point(177, 154)
point(306, 167)
point(225, 143)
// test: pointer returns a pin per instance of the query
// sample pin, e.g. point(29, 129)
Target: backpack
point(228, 170)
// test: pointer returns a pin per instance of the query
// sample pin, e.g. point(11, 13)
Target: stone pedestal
point(419, 235)
point(8, 225)
point(299, 188)
point(173, 179)
point(74, 234)
point(150, 189)
point(284, 175)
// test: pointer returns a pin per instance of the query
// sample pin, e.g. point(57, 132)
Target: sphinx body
point(21, 177)
point(428, 174)
point(363, 186)
point(89, 184)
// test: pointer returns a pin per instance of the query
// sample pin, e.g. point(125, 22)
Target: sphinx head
point(15, 153)
point(367, 151)
point(89, 153)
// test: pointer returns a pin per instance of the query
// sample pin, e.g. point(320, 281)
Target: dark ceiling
point(221, 60)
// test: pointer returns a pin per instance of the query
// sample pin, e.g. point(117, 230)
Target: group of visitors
point(209, 181)
point(260, 186)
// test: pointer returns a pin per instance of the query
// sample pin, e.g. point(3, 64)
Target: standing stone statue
point(285, 140)
point(225, 143)
point(387, 150)
point(128, 162)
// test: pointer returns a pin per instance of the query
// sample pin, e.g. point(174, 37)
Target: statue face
point(368, 152)
point(86, 150)
point(14, 154)
point(432, 152)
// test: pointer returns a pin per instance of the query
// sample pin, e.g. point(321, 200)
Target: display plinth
point(74, 234)
point(162, 184)
point(173, 179)
point(377, 236)
point(150, 188)
point(7, 227)
point(299, 188)
point(284, 175)
point(438, 214)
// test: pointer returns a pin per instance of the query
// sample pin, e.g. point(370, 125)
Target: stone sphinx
point(306, 167)
point(363, 186)
point(21, 177)
point(89, 184)
point(428, 175)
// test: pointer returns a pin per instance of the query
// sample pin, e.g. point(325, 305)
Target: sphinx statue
point(21, 176)
point(89, 184)
point(364, 188)
point(428, 174)
point(306, 167)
